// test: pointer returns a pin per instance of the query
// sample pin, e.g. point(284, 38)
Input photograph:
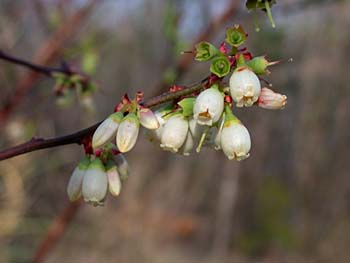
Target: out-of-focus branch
point(41, 69)
point(56, 230)
point(45, 55)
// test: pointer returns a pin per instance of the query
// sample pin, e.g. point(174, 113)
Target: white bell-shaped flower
point(235, 138)
point(217, 134)
point(76, 180)
point(188, 145)
point(114, 183)
point(155, 135)
point(245, 87)
point(174, 133)
point(95, 183)
point(106, 130)
point(128, 132)
point(122, 165)
point(208, 106)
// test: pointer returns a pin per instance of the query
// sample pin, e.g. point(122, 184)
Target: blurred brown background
point(288, 202)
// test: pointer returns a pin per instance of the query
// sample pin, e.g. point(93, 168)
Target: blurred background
point(288, 202)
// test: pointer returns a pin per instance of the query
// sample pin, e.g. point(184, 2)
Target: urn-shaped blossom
point(114, 183)
point(95, 183)
point(148, 119)
point(128, 132)
point(187, 146)
point(217, 134)
point(174, 133)
point(106, 130)
point(208, 106)
point(244, 87)
point(76, 180)
point(235, 139)
point(271, 100)
point(122, 165)
point(155, 135)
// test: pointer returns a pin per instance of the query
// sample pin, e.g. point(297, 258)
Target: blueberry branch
point(78, 137)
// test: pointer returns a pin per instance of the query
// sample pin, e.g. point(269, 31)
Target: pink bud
point(271, 100)
point(148, 119)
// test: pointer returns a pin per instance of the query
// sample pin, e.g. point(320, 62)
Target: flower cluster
point(186, 123)
point(92, 179)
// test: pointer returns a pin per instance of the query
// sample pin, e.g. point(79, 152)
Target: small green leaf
point(220, 66)
point(89, 61)
point(235, 36)
point(187, 106)
point(205, 51)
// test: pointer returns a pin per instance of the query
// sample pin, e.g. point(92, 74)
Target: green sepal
point(235, 36)
point(172, 113)
point(241, 61)
point(220, 66)
point(110, 165)
point(187, 106)
point(84, 164)
point(205, 51)
point(97, 164)
point(230, 118)
point(215, 86)
point(132, 117)
point(117, 117)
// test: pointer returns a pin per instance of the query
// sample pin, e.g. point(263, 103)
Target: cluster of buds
point(123, 125)
point(94, 177)
point(186, 123)
point(69, 85)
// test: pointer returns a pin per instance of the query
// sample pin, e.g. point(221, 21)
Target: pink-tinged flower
point(128, 132)
point(76, 180)
point(95, 183)
point(174, 133)
point(155, 135)
point(106, 130)
point(148, 119)
point(271, 100)
point(244, 87)
point(114, 183)
point(208, 106)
